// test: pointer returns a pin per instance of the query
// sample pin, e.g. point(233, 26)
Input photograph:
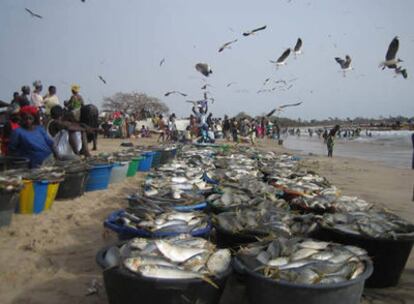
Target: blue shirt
point(35, 145)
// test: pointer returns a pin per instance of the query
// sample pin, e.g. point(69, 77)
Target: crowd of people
point(41, 129)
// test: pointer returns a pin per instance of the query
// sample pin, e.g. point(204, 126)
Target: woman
point(75, 102)
point(31, 140)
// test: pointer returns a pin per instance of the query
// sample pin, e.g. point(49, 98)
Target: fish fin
point(209, 281)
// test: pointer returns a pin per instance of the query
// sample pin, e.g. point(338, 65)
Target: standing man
point(50, 100)
point(37, 99)
point(24, 98)
point(412, 139)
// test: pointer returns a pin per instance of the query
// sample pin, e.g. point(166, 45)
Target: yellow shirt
point(50, 102)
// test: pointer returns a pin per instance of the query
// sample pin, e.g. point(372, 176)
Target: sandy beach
point(50, 257)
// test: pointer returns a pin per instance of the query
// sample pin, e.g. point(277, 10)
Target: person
point(24, 99)
point(15, 100)
point(50, 99)
point(412, 139)
point(233, 129)
point(209, 120)
point(193, 127)
point(36, 98)
point(143, 131)
point(131, 126)
point(66, 135)
point(161, 127)
point(76, 101)
point(330, 140)
point(12, 124)
point(226, 127)
point(31, 140)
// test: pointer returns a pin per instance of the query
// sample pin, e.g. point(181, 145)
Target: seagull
point(278, 109)
point(400, 70)
point(390, 58)
point(254, 31)
point(266, 81)
point(162, 61)
point(345, 64)
point(297, 50)
point(203, 68)
point(204, 87)
point(281, 81)
point(33, 14)
point(101, 78)
point(175, 92)
point(227, 45)
point(282, 59)
point(229, 84)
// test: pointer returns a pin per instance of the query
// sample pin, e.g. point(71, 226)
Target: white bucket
point(119, 172)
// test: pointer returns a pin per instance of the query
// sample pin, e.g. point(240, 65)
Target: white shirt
point(37, 99)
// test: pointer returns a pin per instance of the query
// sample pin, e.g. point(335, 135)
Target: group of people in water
point(42, 130)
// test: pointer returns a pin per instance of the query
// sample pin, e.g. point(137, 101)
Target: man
point(15, 100)
point(36, 98)
point(24, 98)
point(50, 100)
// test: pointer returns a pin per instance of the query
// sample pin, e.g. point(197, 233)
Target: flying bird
point(266, 81)
point(227, 45)
point(282, 59)
point(403, 72)
point(297, 50)
point(204, 69)
point(390, 58)
point(248, 33)
point(162, 61)
point(204, 87)
point(344, 63)
point(33, 14)
point(231, 83)
point(278, 109)
point(281, 81)
point(102, 79)
point(175, 92)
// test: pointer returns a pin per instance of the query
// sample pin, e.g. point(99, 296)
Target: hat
point(75, 88)
point(28, 110)
point(37, 83)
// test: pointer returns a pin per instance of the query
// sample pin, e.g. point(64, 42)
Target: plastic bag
point(61, 144)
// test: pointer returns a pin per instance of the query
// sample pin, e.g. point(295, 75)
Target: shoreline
point(50, 257)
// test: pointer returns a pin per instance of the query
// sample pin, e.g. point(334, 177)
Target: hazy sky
point(124, 41)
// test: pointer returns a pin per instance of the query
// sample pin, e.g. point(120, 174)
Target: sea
point(392, 148)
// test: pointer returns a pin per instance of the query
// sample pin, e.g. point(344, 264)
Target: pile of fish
point(172, 222)
point(328, 201)
point(235, 167)
point(50, 173)
point(304, 261)
point(11, 183)
point(177, 258)
point(75, 165)
point(266, 221)
point(372, 224)
point(304, 183)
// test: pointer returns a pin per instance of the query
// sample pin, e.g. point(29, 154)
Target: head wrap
point(75, 88)
point(37, 83)
point(28, 110)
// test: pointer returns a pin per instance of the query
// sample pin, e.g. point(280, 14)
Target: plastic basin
point(73, 185)
point(146, 161)
point(125, 287)
point(133, 166)
point(11, 162)
point(389, 256)
point(37, 196)
point(125, 232)
point(98, 177)
point(119, 172)
point(8, 202)
point(262, 290)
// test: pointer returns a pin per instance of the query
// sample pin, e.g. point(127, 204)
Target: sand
point(50, 257)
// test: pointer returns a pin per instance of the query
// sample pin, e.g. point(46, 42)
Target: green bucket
point(132, 167)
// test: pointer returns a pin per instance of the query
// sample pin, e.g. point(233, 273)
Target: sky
point(124, 41)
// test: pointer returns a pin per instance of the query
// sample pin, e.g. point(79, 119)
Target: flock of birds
point(391, 62)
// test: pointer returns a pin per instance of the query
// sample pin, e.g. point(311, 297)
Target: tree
point(139, 104)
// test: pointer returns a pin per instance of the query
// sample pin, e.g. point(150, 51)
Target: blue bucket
point(156, 159)
point(146, 163)
point(125, 232)
point(99, 176)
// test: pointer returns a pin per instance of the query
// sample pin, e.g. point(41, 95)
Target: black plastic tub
point(8, 203)
point(124, 287)
point(164, 156)
point(228, 239)
point(262, 290)
point(389, 256)
point(11, 162)
point(73, 185)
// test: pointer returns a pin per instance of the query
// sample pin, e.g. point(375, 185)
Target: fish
point(166, 272)
point(177, 253)
point(219, 261)
point(134, 263)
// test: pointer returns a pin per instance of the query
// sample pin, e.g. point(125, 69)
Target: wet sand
point(50, 257)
